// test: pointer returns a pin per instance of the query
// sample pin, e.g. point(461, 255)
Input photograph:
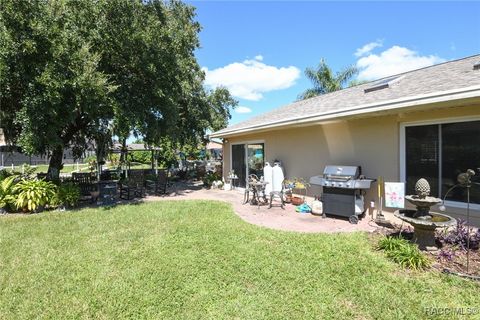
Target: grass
point(197, 259)
point(43, 168)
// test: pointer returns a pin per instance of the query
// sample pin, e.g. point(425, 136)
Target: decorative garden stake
point(464, 180)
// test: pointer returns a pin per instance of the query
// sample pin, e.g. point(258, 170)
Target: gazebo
point(135, 147)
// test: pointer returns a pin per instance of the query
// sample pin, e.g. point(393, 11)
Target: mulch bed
point(456, 263)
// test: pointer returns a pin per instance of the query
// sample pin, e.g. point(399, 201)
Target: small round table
point(257, 188)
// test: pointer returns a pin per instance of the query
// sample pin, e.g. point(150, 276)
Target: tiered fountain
point(423, 221)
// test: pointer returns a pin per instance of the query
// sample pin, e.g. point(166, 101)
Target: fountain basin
point(424, 226)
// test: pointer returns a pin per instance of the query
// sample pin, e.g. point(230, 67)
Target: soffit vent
point(383, 84)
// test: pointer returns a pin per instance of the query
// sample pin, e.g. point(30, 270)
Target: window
point(439, 152)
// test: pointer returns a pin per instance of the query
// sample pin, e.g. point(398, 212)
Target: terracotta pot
point(296, 201)
point(288, 198)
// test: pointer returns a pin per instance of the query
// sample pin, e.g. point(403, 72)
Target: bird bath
point(423, 221)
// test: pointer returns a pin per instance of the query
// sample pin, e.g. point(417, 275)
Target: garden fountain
point(423, 221)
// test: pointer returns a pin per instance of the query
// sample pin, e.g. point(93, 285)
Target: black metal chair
point(134, 186)
point(159, 184)
point(87, 183)
point(249, 188)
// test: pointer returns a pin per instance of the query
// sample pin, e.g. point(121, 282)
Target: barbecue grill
point(343, 190)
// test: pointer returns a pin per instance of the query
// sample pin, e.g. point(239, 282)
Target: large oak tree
point(75, 71)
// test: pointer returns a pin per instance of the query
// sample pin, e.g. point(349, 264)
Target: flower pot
point(288, 198)
point(296, 201)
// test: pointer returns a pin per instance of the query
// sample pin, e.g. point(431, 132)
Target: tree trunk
point(55, 164)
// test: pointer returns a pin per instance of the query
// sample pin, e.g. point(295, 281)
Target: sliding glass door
point(247, 159)
point(255, 159)
point(239, 165)
point(439, 152)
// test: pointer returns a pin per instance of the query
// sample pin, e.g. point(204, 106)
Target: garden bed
point(451, 257)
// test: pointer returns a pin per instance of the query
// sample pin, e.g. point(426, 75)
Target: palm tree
point(324, 81)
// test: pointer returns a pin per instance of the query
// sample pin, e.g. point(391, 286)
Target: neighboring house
point(12, 155)
point(422, 123)
point(214, 149)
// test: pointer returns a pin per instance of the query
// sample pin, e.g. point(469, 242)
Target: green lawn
point(43, 168)
point(197, 259)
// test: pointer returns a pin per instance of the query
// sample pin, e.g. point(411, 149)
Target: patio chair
point(134, 186)
point(249, 188)
point(87, 183)
point(159, 184)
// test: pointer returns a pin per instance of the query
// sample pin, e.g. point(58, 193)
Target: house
point(214, 149)
point(422, 123)
point(12, 155)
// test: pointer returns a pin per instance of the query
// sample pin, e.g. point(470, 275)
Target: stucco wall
point(373, 143)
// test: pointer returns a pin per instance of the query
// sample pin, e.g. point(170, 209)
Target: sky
point(259, 50)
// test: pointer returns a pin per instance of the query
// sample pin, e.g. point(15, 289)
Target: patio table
point(258, 188)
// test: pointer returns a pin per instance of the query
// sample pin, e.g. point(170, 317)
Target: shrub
point(447, 255)
point(460, 236)
point(409, 256)
point(404, 253)
point(210, 177)
point(28, 172)
point(68, 194)
point(391, 243)
point(7, 192)
point(34, 194)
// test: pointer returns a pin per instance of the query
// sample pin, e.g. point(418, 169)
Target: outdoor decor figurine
point(423, 221)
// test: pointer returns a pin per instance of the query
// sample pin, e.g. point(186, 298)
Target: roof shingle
point(446, 76)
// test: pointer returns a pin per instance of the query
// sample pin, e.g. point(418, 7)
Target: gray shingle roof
point(446, 76)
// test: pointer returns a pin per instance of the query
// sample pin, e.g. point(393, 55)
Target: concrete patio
point(274, 218)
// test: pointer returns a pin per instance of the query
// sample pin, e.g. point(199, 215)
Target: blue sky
point(259, 50)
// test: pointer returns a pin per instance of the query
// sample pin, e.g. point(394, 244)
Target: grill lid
point(341, 172)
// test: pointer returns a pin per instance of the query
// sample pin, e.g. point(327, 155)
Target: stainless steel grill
point(346, 177)
point(342, 191)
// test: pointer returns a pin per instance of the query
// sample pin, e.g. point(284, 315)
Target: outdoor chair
point(134, 186)
point(86, 182)
point(249, 188)
point(158, 185)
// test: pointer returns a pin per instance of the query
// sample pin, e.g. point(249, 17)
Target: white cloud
point(393, 61)
point(242, 109)
point(368, 48)
point(251, 78)
point(259, 57)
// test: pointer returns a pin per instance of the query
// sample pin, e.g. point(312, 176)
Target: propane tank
point(317, 205)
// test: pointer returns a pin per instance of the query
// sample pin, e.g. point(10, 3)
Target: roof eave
point(396, 104)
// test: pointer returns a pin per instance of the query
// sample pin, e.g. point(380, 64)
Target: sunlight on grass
point(197, 259)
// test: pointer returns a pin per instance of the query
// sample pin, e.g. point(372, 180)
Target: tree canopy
point(325, 81)
point(76, 71)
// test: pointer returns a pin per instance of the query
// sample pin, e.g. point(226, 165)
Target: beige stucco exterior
point(371, 142)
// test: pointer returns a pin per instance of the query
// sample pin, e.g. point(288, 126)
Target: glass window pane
point(460, 151)
point(238, 164)
point(255, 159)
point(422, 156)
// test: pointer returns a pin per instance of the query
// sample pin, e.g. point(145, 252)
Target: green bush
point(34, 194)
point(68, 194)
point(210, 177)
point(7, 192)
point(392, 243)
point(404, 253)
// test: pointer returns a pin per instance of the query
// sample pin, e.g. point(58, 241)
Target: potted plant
point(295, 184)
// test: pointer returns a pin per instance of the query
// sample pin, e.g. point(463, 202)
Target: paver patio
point(274, 218)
